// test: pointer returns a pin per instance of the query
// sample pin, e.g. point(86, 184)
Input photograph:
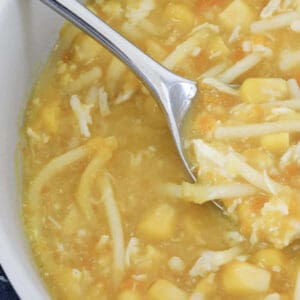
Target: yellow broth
point(107, 205)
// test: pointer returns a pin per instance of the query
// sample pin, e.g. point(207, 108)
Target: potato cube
point(257, 90)
point(180, 14)
point(164, 289)
point(206, 286)
point(277, 142)
point(241, 278)
point(159, 225)
point(85, 49)
point(129, 295)
point(217, 47)
point(237, 13)
point(270, 258)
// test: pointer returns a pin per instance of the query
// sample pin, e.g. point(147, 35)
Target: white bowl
point(28, 31)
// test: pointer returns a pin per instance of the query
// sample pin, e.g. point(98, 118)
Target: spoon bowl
point(173, 93)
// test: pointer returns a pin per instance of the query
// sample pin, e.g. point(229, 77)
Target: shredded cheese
point(269, 183)
point(275, 22)
point(234, 164)
point(103, 102)
point(200, 194)
point(115, 225)
point(292, 104)
point(235, 35)
point(214, 71)
point(82, 113)
point(252, 130)
point(220, 86)
point(183, 50)
point(211, 261)
point(124, 96)
point(290, 156)
point(270, 8)
point(131, 250)
point(240, 67)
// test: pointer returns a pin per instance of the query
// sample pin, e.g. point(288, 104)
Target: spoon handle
point(172, 92)
point(155, 77)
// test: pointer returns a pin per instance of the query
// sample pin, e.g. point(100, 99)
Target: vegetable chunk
point(180, 14)
point(158, 225)
point(257, 90)
point(277, 143)
point(241, 278)
point(237, 13)
point(164, 289)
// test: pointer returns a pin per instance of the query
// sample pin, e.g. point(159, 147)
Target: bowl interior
point(28, 30)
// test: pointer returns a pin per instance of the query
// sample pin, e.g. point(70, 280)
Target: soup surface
point(108, 209)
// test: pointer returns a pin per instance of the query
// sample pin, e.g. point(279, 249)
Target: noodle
point(115, 225)
point(83, 196)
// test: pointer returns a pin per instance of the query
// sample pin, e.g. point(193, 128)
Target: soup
point(108, 208)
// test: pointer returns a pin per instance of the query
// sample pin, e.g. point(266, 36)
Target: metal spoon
point(173, 93)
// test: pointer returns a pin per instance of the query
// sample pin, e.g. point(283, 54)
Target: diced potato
point(241, 278)
point(217, 46)
point(164, 289)
point(269, 258)
point(237, 13)
point(129, 295)
point(277, 142)
point(179, 13)
point(85, 49)
point(159, 225)
point(206, 286)
point(257, 90)
point(49, 117)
